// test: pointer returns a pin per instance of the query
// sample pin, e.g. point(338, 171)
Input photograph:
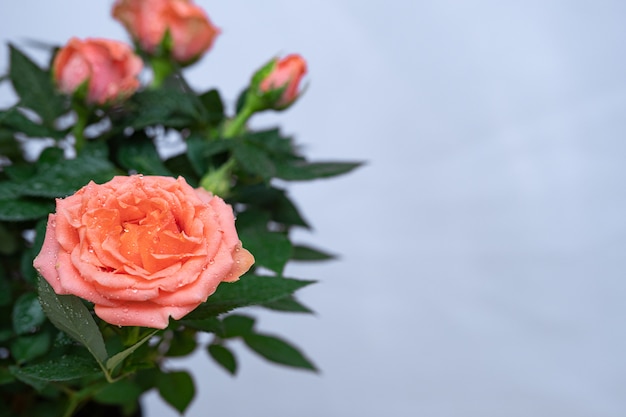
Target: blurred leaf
point(60, 178)
point(179, 165)
point(69, 314)
point(24, 209)
point(274, 200)
point(212, 102)
point(224, 357)
point(16, 121)
point(298, 170)
point(139, 154)
point(209, 324)
point(236, 325)
point(27, 313)
point(35, 88)
point(120, 392)
point(272, 141)
point(8, 240)
point(249, 290)
point(27, 348)
point(288, 304)
point(5, 378)
point(254, 160)
point(177, 389)
point(278, 351)
point(20, 172)
point(64, 368)
point(183, 343)
point(118, 358)
point(200, 150)
point(164, 107)
point(307, 253)
point(271, 249)
point(5, 288)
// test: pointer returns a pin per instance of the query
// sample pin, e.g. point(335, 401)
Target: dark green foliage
point(55, 344)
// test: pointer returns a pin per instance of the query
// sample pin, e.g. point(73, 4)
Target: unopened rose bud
point(284, 76)
point(100, 69)
point(218, 181)
point(176, 28)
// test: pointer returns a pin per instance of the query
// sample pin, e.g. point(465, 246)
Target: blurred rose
point(141, 248)
point(147, 21)
point(287, 74)
point(110, 69)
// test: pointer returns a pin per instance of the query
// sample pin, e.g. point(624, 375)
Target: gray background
point(482, 247)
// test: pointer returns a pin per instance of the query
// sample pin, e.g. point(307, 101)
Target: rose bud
point(108, 69)
point(141, 248)
point(177, 28)
point(284, 75)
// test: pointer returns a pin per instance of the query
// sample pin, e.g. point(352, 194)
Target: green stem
point(236, 125)
point(161, 69)
point(78, 130)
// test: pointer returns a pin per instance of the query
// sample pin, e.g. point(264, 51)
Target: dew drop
point(211, 261)
point(134, 290)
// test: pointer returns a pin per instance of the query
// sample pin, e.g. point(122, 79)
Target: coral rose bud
point(141, 248)
point(108, 68)
point(285, 74)
point(181, 27)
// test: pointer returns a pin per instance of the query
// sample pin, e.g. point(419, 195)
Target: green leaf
point(24, 209)
point(200, 150)
point(179, 166)
point(27, 313)
point(298, 170)
point(249, 290)
point(120, 392)
point(18, 122)
point(288, 304)
point(307, 253)
point(64, 368)
point(271, 249)
point(224, 357)
point(236, 325)
point(6, 297)
point(274, 200)
point(254, 160)
point(27, 348)
point(8, 241)
point(210, 324)
point(140, 155)
point(272, 141)
point(35, 88)
point(69, 314)
point(183, 343)
point(212, 102)
point(278, 351)
point(64, 177)
point(177, 389)
point(118, 358)
point(165, 107)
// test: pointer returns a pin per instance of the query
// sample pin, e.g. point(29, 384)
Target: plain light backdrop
point(482, 247)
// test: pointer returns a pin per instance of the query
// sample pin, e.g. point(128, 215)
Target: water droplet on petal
point(211, 261)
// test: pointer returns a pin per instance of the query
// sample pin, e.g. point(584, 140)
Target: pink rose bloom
point(141, 248)
point(147, 21)
point(287, 73)
point(109, 67)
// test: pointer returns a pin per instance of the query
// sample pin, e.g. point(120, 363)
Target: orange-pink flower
point(190, 30)
point(141, 248)
point(287, 74)
point(110, 69)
